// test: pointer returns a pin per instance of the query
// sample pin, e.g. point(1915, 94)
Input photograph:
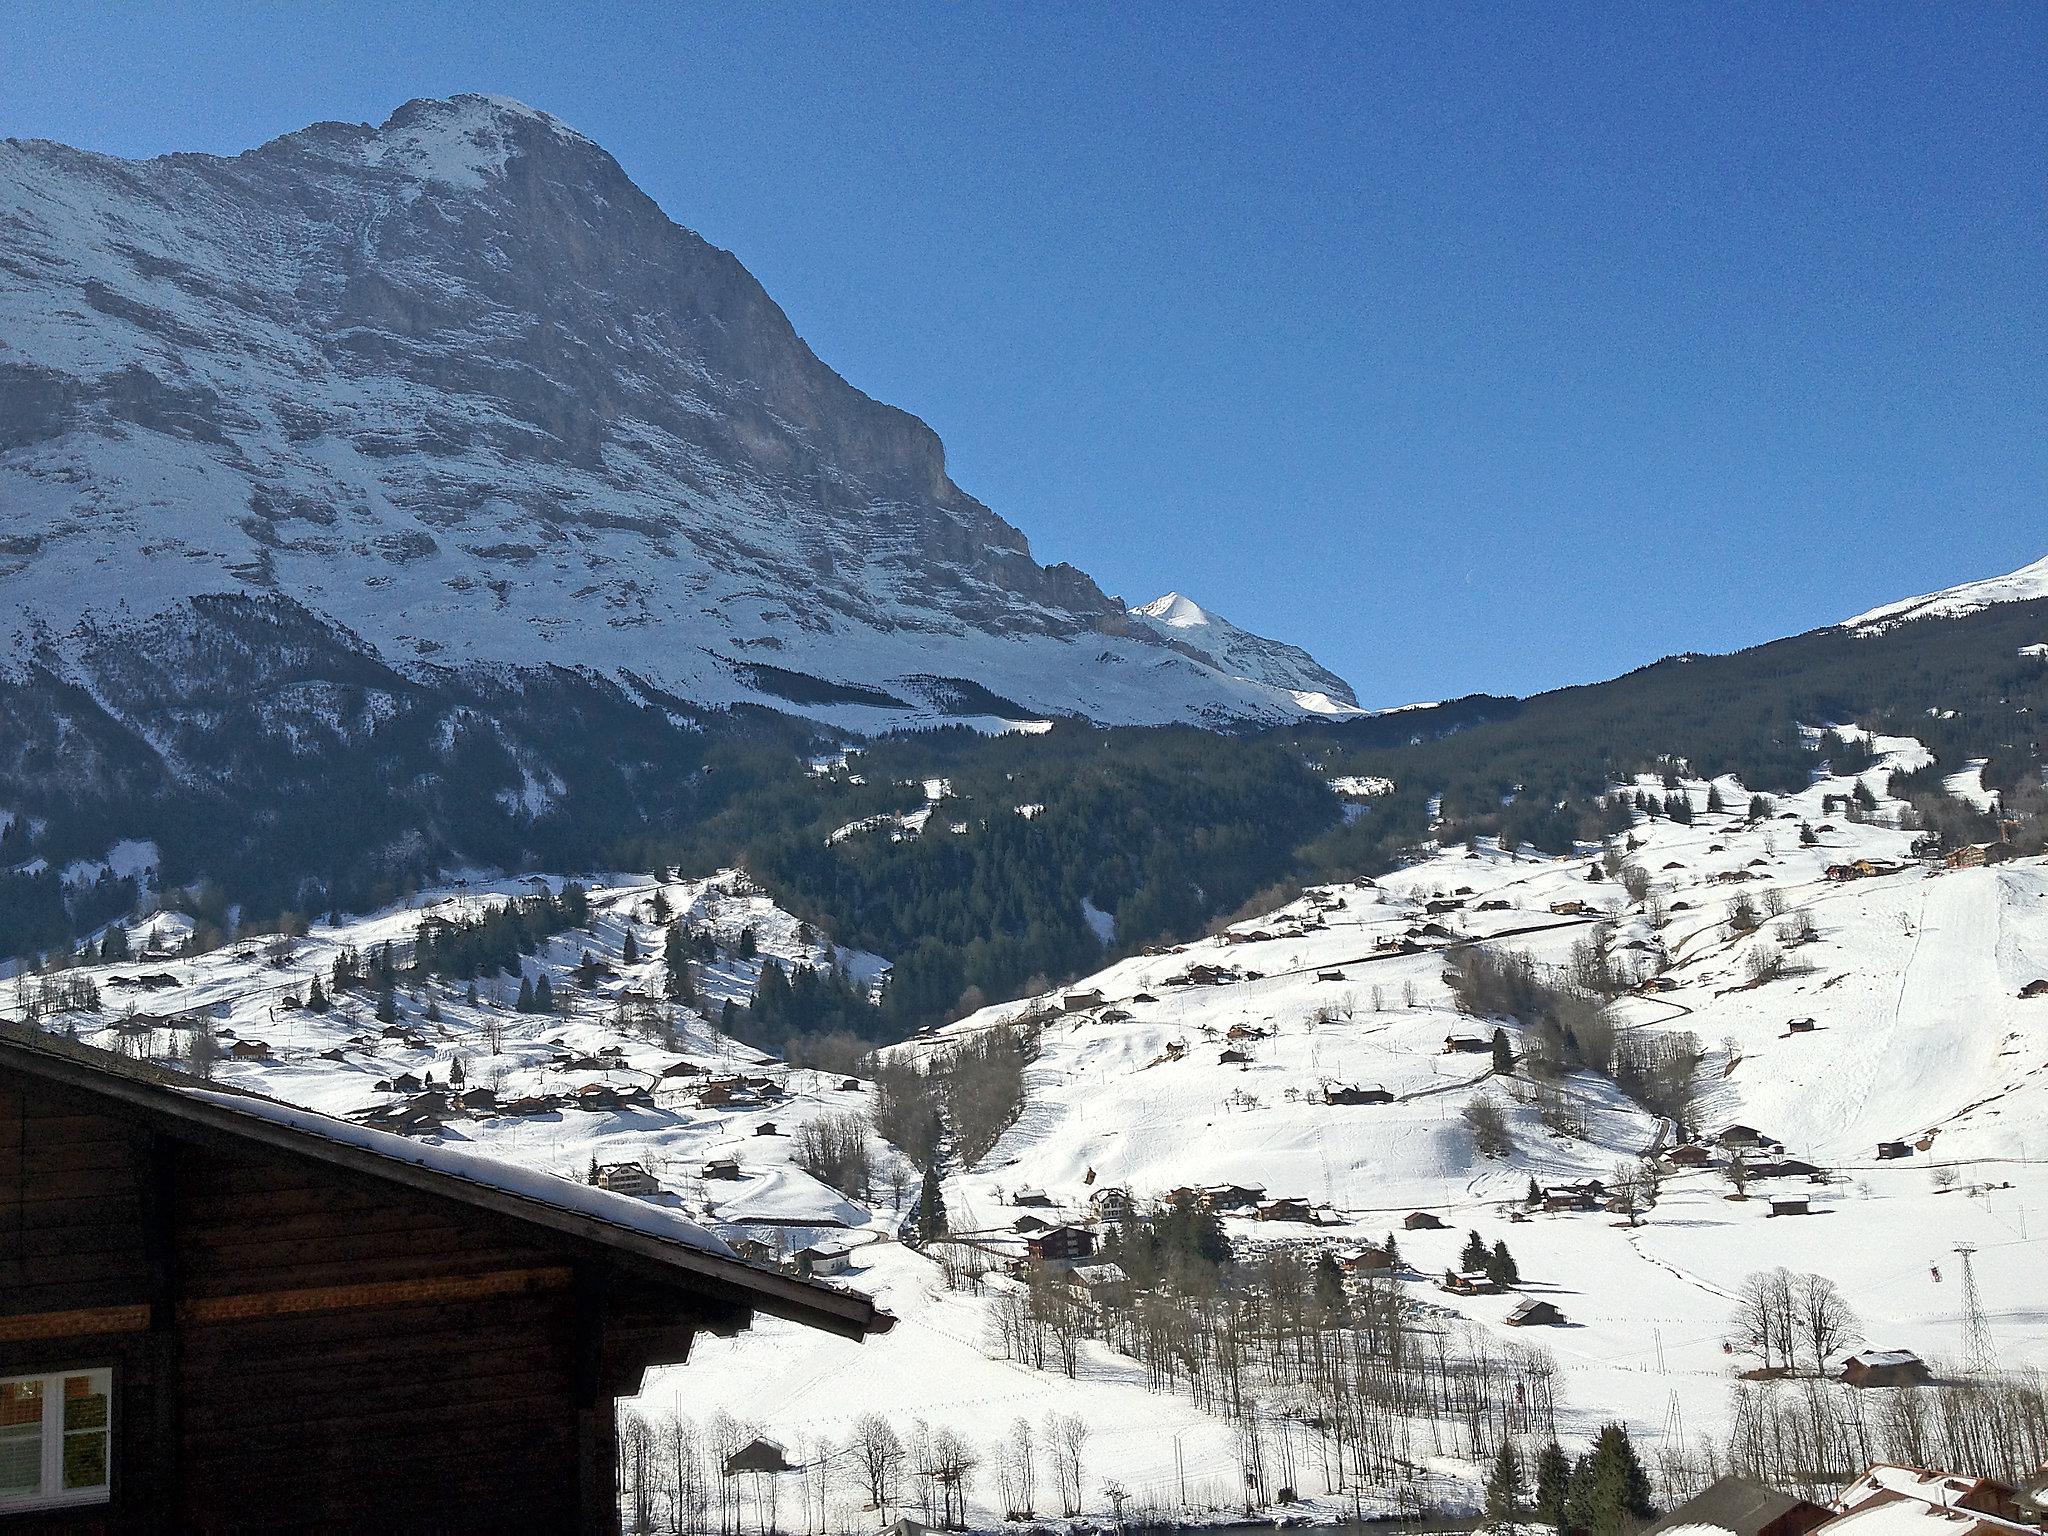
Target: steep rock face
point(1184, 623)
point(457, 386)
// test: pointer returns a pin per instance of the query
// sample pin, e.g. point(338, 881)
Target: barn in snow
point(221, 1312)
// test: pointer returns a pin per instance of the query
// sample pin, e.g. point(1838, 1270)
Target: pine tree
point(525, 1001)
point(675, 956)
point(458, 1074)
point(543, 995)
point(1535, 1195)
point(1330, 1286)
point(1553, 1478)
point(1500, 1266)
point(1714, 800)
point(316, 999)
point(1615, 1496)
point(931, 1207)
point(1474, 1254)
point(748, 944)
point(1504, 1486)
point(471, 995)
point(1503, 1053)
point(387, 1003)
point(433, 1010)
point(629, 951)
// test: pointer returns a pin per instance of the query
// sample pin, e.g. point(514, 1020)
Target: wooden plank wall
point(347, 1354)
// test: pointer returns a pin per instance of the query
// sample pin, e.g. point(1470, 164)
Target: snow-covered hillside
point(2025, 585)
point(460, 388)
point(1911, 977)
point(1238, 652)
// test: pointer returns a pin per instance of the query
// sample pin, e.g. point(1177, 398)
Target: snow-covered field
point(1919, 1035)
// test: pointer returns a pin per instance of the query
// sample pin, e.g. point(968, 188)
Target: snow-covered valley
point(1228, 1062)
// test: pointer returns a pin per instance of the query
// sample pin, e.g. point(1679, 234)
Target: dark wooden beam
point(154, 1461)
point(597, 1448)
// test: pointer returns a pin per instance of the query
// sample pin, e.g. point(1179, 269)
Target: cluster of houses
point(1887, 1500)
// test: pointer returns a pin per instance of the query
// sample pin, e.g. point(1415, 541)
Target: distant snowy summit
point(1237, 652)
point(2025, 585)
point(458, 388)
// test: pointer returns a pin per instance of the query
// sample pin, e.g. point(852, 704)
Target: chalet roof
point(595, 1218)
point(1731, 1504)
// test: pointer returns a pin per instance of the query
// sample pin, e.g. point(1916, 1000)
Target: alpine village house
point(223, 1313)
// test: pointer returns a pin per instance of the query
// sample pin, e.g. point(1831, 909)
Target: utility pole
point(1978, 1356)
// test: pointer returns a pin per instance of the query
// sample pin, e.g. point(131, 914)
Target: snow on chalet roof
point(789, 1197)
point(618, 1210)
point(1884, 1477)
point(1910, 1516)
point(1881, 1357)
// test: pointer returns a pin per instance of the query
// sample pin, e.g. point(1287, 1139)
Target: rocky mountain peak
point(457, 385)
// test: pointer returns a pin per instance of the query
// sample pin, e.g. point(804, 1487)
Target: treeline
point(1159, 829)
point(494, 942)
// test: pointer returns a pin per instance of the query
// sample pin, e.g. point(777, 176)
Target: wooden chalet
point(1531, 1313)
point(1791, 1205)
point(1977, 855)
point(1888, 1150)
point(1467, 1045)
point(1689, 1155)
point(1422, 1221)
point(1230, 1197)
point(1351, 1093)
point(1061, 1245)
point(235, 1314)
point(1113, 1203)
point(1885, 1368)
point(1743, 1508)
point(759, 1455)
point(1288, 1208)
point(628, 1179)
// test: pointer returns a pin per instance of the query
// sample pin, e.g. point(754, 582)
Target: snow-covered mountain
point(1239, 653)
point(2024, 585)
point(459, 388)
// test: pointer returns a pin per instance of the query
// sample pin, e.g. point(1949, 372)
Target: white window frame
point(51, 1492)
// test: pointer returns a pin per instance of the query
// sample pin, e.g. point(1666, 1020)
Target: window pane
point(21, 1460)
point(83, 1407)
point(21, 1402)
point(85, 1459)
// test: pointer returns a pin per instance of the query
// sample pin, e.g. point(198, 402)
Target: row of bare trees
point(1812, 1436)
point(1313, 1378)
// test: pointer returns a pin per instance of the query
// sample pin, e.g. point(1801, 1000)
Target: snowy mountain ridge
point(457, 386)
point(2027, 584)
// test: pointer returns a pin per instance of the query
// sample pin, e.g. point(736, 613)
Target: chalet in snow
point(222, 1312)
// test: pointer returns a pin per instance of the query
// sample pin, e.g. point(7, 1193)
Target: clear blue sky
point(1485, 348)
